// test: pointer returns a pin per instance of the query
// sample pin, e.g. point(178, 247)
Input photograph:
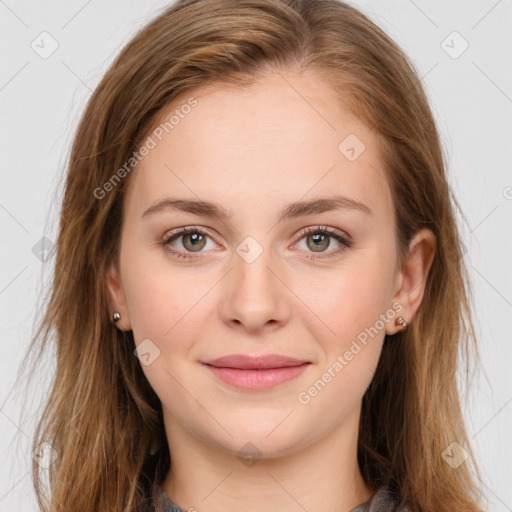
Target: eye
point(193, 240)
point(318, 240)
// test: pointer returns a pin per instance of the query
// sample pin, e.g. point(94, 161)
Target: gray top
point(384, 500)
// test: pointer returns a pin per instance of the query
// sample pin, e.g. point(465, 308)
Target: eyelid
point(169, 235)
point(327, 229)
point(184, 230)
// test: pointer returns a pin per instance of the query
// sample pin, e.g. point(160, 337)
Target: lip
point(245, 362)
point(256, 373)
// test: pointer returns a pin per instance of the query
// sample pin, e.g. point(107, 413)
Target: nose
point(254, 297)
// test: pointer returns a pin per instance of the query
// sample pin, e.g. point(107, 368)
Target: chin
point(259, 439)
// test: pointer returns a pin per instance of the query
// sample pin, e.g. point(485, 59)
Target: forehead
point(283, 138)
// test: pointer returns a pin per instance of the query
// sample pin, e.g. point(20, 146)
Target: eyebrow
point(293, 210)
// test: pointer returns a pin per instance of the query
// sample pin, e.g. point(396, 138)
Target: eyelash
point(323, 230)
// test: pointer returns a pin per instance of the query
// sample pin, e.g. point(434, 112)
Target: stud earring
point(116, 317)
point(401, 321)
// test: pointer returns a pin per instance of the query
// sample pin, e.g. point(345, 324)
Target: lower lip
point(257, 379)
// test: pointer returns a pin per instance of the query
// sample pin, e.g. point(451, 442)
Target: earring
point(401, 321)
point(116, 317)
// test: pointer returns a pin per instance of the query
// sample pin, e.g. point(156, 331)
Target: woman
point(259, 292)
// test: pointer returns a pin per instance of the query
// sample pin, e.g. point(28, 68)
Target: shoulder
point(385, 499)
point(163, 503)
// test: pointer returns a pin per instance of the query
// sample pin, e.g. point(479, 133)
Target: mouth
point(256, 373)
point(264, 362)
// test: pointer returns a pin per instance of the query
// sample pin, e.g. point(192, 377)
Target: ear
point(411, 279)
point(117, 298)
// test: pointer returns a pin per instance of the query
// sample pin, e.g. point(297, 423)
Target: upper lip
point(245, 362)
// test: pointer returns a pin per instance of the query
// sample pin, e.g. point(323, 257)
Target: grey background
point(41, 100)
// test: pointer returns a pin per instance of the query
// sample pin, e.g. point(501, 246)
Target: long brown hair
point(102, 417)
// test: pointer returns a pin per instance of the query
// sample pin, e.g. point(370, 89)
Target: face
point(318, 284)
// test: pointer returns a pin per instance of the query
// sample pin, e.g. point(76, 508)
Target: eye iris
point(197, 239)
point(321, 238)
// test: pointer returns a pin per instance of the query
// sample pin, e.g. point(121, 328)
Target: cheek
point(350, 336)
point(346, 303)
point(350, 309)
point(163, 304)
point(169, 309)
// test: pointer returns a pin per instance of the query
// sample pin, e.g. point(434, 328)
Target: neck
point(322, 476)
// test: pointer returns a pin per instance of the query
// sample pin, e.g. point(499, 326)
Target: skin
point(253, 151)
